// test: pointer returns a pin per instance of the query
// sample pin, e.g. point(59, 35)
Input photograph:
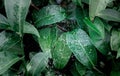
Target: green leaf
point(85, 1)
point(61, 53)
point(110, 15)
point(91, 25)
point(115, 41)
point(10, 42)
point(79, 14)
point(30, 29)
point(47, 38)
point(9, 73)
point(7, 59)
point(79, 43)
point(3, 22)
point(38, 63)
point(100, 41)
point(95, 6)
point(74, 71)
point(77, 2)
point(80, 68)
point(115, 73)
point(16, 13)
point(49, 15)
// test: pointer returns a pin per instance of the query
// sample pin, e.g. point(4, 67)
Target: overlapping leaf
point(10, 42)
point(49, 15)
point(80, 68)
point(115, 42)
point(77, 2)
point(61, 53)
point(95, 6)
point(79, 43)
point(30, 29)
point(47, 38)
point(38, 63)
point(99, 38)
point(7, 59)
point(3, 22)
point(110, 15)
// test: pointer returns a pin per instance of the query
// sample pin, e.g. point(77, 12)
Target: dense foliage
point(59, 38)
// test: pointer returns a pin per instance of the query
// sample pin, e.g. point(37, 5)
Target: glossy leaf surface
point(79, 43)
point(61, 53)
point(49, 15)
point(47, 38)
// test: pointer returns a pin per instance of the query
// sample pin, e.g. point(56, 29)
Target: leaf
point(10, 42)
point(115, 73)
point(95, 6)
point(77, 2)
point(30, 29)
point(3, 22)
point(80, 45)
point(100, 41)
point(79, 14)
point(16, 13)
point(91, 25)
point(61, 53)
point(47, 38)
point(115, 41)
point(7, 59)
point(80, 68)
point(9, 73)
point(85, 1)
point(49, 15)
point(74, 71)
point(38, 63)
point(110, 15)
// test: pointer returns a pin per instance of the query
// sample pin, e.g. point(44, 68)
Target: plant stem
point(97, 70)
point(34, 6)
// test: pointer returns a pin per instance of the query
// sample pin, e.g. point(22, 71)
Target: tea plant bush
point(59, 38)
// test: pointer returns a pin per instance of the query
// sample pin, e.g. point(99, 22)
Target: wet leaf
point(47, 38)
point(49, 15)
point(61, 53)
point(38, 63)
point(79, 43)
